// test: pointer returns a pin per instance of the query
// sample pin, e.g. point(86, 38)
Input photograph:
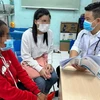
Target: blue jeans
point(45, 85)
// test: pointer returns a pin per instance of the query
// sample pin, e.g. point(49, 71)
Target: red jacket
point(8, 90)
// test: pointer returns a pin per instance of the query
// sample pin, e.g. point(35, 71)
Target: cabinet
point(68, 32)
point(65, 45)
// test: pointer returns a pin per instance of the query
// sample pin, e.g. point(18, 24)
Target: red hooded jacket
point(8, 90)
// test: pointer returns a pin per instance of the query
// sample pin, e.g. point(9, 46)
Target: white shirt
point(30, 51)
point(86, 43)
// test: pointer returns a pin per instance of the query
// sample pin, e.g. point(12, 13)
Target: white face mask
point(43, 27)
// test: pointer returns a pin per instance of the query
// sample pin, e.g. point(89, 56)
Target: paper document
point(92, 63)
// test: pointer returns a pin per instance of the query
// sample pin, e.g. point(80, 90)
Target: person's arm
point(22, 75)
point(26, 51)
point(73, 53)
point(12, 93)
point(26, 54)
point(24, 78)
point(50, 50)
point(75, 50)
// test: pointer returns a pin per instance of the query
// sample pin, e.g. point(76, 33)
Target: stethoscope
point(5, 67)
point(95, 45)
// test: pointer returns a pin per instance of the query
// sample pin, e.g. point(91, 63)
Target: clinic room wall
point(6, 1)
point(23, 17)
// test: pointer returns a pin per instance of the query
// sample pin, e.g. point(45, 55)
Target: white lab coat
point(85, 44)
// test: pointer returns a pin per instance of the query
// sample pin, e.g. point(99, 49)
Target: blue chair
point(16, 33)
point(17, 49)
point(71, 43)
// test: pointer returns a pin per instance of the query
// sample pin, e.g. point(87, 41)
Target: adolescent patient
point(11, 73)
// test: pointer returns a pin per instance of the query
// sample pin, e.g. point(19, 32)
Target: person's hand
point(24, 63)
point(43, 73)
point(41, 96)
point(79, 68)
point(49, 68)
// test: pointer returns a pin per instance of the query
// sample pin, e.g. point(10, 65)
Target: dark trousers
point(21, 86)
point(58, 73)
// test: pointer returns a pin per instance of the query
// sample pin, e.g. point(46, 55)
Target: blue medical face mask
point(88, 25)
point(8, 45)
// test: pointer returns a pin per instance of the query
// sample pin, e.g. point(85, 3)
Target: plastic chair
point(16, 33)
point(17, 49)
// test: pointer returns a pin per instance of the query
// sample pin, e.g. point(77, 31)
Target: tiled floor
point(56, 98)
point(57, 57)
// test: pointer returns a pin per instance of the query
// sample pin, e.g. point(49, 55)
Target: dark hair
point(95, 8)
point(1, 29)
point(39, 13)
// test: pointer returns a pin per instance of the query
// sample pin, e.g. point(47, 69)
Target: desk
point(77, 85)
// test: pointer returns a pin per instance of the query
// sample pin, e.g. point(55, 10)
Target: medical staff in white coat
point(88, 40)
